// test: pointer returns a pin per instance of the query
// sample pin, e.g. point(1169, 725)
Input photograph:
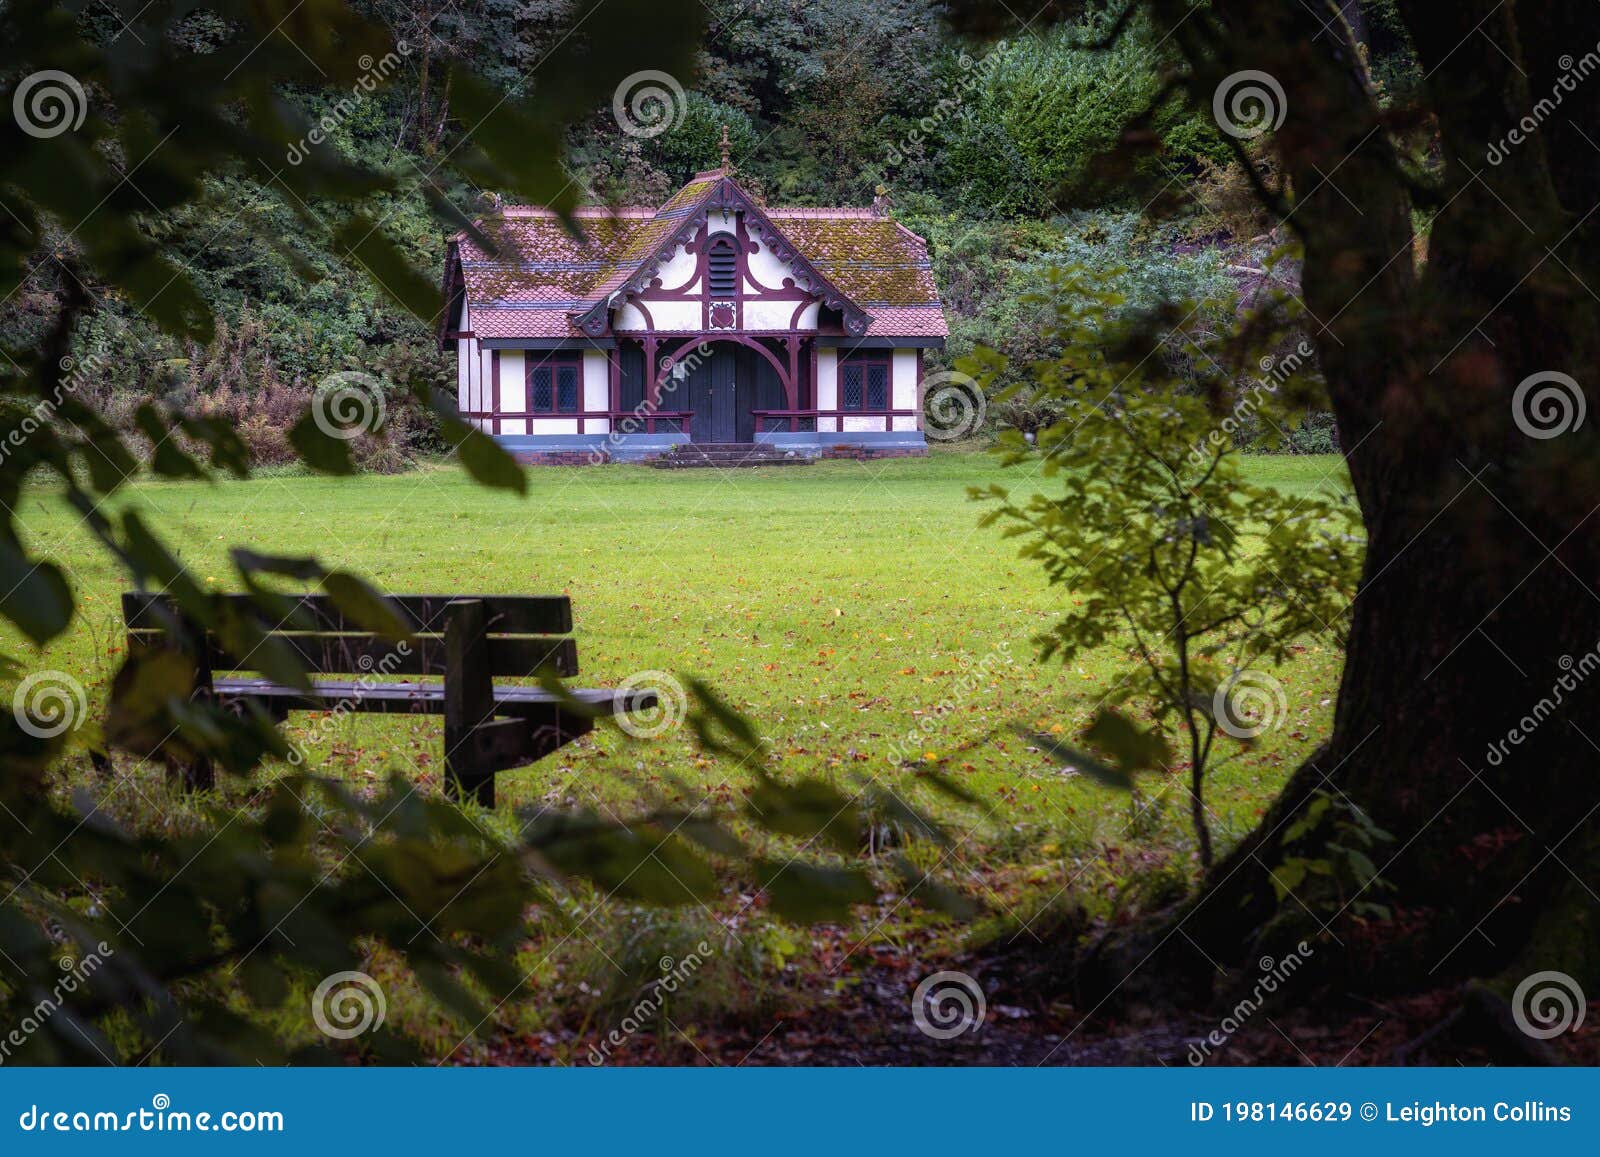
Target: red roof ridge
point(587, 211)
point(854, 212)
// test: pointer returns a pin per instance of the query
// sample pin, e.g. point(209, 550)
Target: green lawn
point(837, 605)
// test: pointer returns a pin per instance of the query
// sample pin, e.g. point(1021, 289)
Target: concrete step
point(726, 454)
point(742, 464)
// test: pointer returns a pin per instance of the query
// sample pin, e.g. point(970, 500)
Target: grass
point(838, 606)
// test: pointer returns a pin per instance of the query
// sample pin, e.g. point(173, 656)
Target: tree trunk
point(1468, 718)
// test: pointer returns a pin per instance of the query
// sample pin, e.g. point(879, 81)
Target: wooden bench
point(467, 640)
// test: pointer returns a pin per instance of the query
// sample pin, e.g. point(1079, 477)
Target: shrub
point(1049, 109)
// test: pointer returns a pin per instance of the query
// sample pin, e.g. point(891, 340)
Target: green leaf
point(925, 890)
point(167, 460)
point(358, 600)
point(1133, 748)
point(805, 810)
point(250, 562)
point(36, 595)
point(631, 862)
point(489, 462)
point(319, 449)
point(383, 261)
point(1288, 876)
point(1077, 760)
point(156, 566)
point(261, 650)
point(715, 720)
point(806, 893)
point(228, 450)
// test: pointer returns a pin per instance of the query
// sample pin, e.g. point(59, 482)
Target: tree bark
point(1478, 613)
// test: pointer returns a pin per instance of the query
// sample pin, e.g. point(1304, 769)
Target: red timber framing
point(494, 397)
point(491, 419)
point(788, 369)
point(722, 286)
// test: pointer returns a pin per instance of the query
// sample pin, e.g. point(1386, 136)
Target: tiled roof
point(552, 321)
point(544, 276)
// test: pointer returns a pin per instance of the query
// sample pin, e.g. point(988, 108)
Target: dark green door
point(714, 390)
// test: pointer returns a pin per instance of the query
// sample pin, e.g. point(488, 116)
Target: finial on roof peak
point(727, 164)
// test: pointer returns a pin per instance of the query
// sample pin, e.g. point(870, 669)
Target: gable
point(711, 202)
point(723, 277)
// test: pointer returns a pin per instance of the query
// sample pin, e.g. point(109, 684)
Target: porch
point(791, 392)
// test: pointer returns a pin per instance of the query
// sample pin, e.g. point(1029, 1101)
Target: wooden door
point(714, 397)
point(725, 389)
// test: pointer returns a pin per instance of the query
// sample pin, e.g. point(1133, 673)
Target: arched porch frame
point(788, 376)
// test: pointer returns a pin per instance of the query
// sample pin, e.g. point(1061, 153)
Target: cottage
point(711, 320)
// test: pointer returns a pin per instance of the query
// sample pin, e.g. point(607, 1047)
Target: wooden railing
point(795, 417)
point(630, 421)
point(678, 420)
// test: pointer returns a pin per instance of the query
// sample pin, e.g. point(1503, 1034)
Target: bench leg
point(198, 775)
point(468, 701)
point(463, 787)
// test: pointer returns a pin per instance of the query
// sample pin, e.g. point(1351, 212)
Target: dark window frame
point(554, 365)
point(865, 364)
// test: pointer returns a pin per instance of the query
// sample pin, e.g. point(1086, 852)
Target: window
point(722, 270)
point(863, 385)
point(553, 387)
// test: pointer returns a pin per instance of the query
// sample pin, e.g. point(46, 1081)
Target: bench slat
point(420, 698)
point(507, 614)
point(515, 655)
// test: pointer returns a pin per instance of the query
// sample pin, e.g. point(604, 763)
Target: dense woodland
point(994, 151)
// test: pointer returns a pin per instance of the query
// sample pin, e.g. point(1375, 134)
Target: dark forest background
point(993, 152)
